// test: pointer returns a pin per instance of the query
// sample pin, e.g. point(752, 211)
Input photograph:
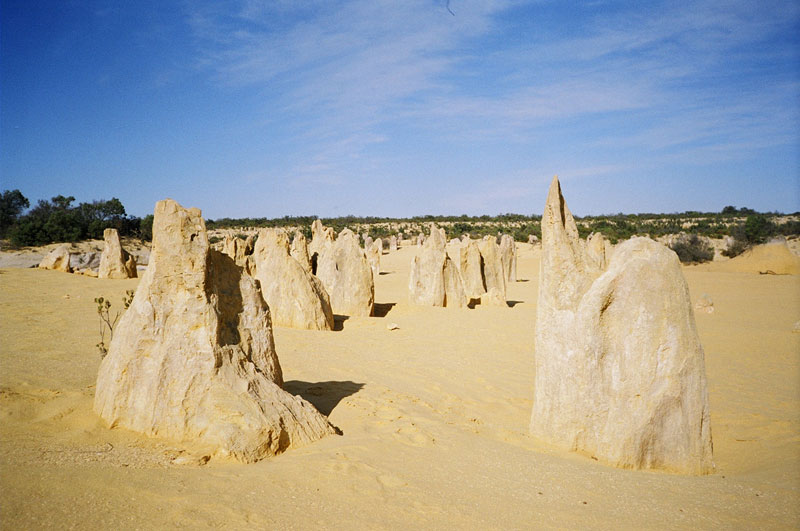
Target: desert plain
point(433, 405)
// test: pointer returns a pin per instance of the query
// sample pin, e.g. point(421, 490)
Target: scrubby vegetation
point(109, 321)
point(691, 248)
point(57, 220)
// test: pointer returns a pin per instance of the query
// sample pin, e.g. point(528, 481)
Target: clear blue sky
point(398, 108)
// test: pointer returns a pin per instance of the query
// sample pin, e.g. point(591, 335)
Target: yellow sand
point(771, 258)
point(434, 418)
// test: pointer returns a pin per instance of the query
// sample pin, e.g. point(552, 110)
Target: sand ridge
point(434, 418)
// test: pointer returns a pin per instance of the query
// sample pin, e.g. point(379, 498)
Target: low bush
point(691, 248)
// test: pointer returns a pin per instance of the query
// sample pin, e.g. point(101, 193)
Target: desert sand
point(434, 418)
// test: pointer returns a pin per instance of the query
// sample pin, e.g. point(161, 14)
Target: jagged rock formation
point(596, 250)
point(115, 262)
point(237, 248)
point(57, 259)
point(472, 269)
point(321, 238)
point(435, 280)
point(508, 257)
point(296, 298)
point(299, 251)
point(620, 370)
point(493, 273)
point(374, 256)
point(344, 271)
point(193, 358)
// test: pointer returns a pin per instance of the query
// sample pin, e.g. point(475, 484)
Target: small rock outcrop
point(57, 259)
point(508, 256)
point(193, 358)
point(296, 298)
point(115, 262)
point(345, 272)
point(620, 371)
point(392, 243)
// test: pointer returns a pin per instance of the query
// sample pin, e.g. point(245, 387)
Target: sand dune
point(771, 258)
point(434, 418)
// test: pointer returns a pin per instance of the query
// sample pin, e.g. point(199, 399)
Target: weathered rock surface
point(374, 257)
point(392, 243)
point(115, 262)
point(596, 251)
point(454, 295)
point(508, 257)
point(472, 269)
point(237, 248)
point(299, 251)
point(296, 298)
point(344, 271)
point(620, 370)
point(321, 238)
point(426, 282)
point(533, 239)
point(193, 358)
point(493, 273)
point(57, 259)
point(434, 279)
point(88, 260)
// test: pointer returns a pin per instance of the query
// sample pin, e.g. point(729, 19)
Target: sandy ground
point(434, 418)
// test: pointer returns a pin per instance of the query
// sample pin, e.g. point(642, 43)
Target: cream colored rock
point(454, 295)
point(620, 370)
point(704, 304)
point(115, 262)
point(299, 251)
point(392, 243)
point(508, 257)
point(193, 358)
point(472, 269)
point(374, 257)
point(493, 273)
point(237, 248)
point(596, 251)
point(296, 299)
point(321, 238)
point(57, 259)
point(435, 279)
point(344, 271)
point(493, 297)
point(426, 281)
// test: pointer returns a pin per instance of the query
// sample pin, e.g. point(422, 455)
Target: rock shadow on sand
point(381, 309)
point(324, 396)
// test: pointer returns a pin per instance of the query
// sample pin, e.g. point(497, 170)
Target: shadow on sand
point(338, 322)
point(323, 395)
point(380, 309)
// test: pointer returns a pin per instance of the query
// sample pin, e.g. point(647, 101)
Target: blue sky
point(400, 108)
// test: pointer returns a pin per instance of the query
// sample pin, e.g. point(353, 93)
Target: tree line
point(59, 220)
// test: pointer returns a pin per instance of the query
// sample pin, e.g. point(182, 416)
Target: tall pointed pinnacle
point(563, 266)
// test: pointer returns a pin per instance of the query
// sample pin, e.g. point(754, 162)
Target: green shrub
point(691, 248)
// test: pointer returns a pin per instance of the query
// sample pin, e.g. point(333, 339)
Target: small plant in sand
point(107, 321)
